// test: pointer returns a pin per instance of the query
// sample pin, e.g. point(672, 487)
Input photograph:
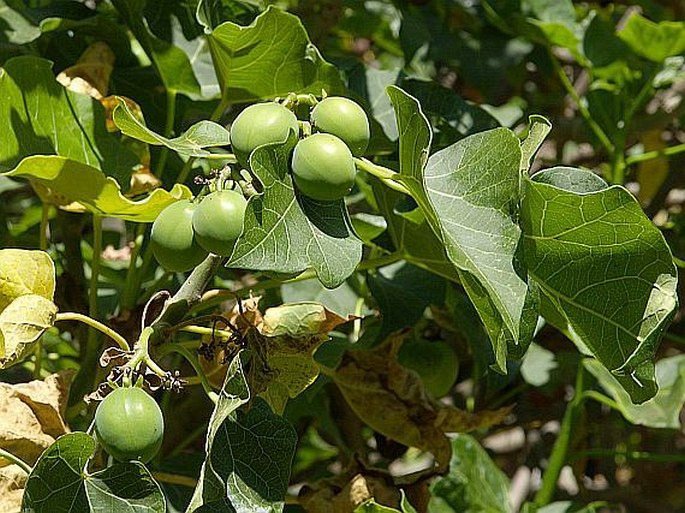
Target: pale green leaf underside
point(62, 181)
point(191, 143)
point(24, 272)
point(662, 410)
point(271, 57)
point(608, 272)
point(22, 323)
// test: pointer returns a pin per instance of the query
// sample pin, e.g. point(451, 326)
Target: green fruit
point(435, 362)
point(345, 119)
point(323, 167)
point(258, 124)
point(218, 221)
point(173, 240)
point(129, 425)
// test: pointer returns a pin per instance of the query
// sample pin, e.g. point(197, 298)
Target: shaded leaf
point(39, 116)
point(474, 483)
point(289, 233)
point(271, 57)
point(607, 273)
point(662, 410)
point(191, 143)
point(62, 182)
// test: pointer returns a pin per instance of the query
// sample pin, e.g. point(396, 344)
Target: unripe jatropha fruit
point(218, 221)
point(173, 240)
point(345, 119)
point(129, 424)
point(258, 124)
point(323, 167)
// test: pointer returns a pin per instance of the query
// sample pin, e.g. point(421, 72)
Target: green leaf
point(18, 25)
point(661, 411)
point(271, 57)
point(474, 483)
point(60, 482)
point(571, 179)
point(606, 274)
point(654, 41)
point(473, 187)
point(252, 454)
point(39, 116)
point(289, 233)
point(538, 129)
point(191, 143)
point(403, 292)
point(62, 181)
point(234, 393)
point(171, 63)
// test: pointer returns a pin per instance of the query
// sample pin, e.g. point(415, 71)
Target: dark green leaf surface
point(289, 233)
point(39, 116)
point(474, 484)
point(60, 483)
point(191, 143)
point(271, 57)
point(607, 273)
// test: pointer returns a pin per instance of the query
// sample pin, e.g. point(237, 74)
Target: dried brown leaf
point(392, 400)
point(12, 482)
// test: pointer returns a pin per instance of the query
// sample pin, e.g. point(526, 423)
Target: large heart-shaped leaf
point(606, 274)
point(654, 41)
point(60, 481)
point(271, 57)
point(287, 232)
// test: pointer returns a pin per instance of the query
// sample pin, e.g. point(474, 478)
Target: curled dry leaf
point(392, 400)
point(32, 415)
point(12, 483)
point(90, 75)
point(344, 493)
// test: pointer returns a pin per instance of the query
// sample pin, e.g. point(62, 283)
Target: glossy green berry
point(435, 362)
point(218, 221)
point(323, 167)
point(129, 425)
point(345, 119)
point(258, 124)
point(173, 239)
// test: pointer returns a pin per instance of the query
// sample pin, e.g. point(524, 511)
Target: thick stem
point(105, 330)
point(557, 459)
point(14, 459)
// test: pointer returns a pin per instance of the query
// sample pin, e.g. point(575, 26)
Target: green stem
point(387, 176)
point(655, 154)
point(14, 459)
point(38, 364)
point(132, 285)
point(168, 131)
point(95, 267)
point(557, 459)
point(601, 398)
point(202, 330)
point(105, 330)
point(192, 360)
point(584, 112)
point(44, 225)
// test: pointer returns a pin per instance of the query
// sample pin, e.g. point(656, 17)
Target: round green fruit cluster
point(322, 163)
point(185, 232)
point(129, 425)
